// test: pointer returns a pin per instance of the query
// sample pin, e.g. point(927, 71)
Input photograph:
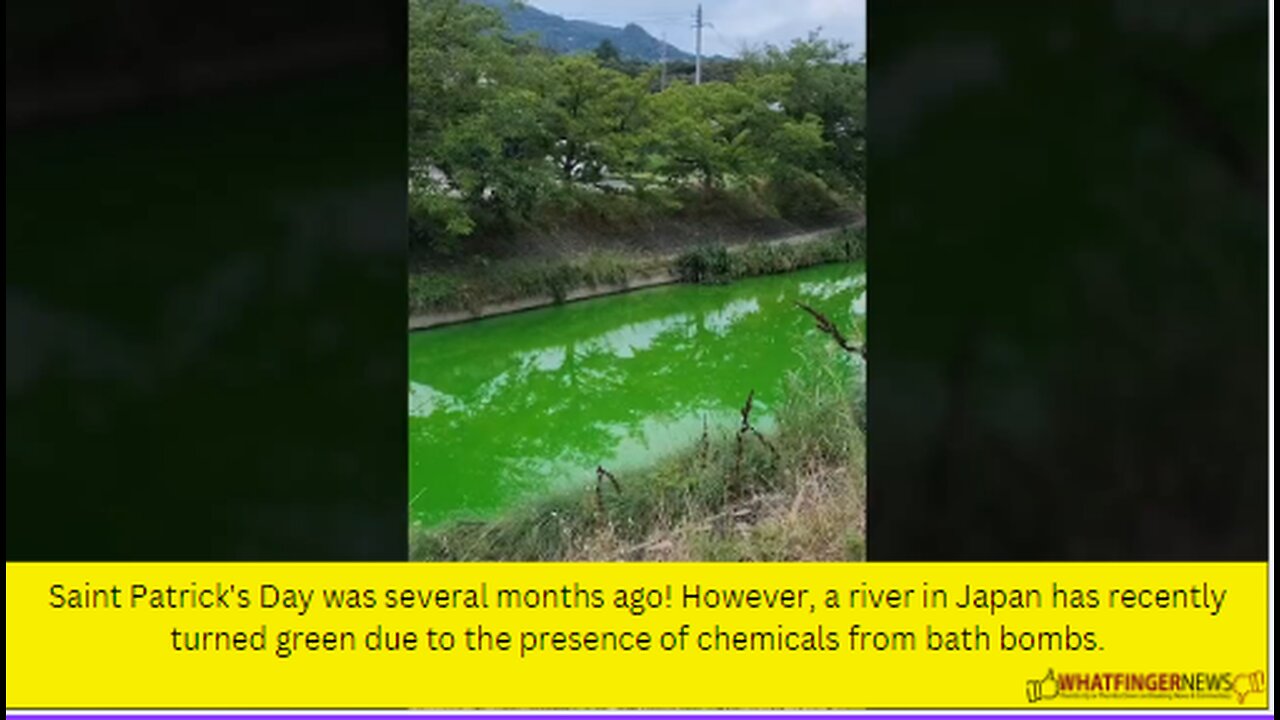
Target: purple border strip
point(552, 715)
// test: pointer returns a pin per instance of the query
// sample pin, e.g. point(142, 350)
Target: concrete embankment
point(427, 320)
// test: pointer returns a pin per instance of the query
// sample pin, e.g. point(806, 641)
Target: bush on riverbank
point(713, 264)
point(801, 499)
point(708, 264)
point(780, 258)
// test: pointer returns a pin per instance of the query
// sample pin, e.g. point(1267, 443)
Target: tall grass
point(707, 264)
point(717, 264)
point(480, 284)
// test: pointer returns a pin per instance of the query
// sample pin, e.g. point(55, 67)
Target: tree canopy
point(499, 126)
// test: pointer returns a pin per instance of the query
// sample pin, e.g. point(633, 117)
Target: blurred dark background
point(205, 315)
point(1069, 257)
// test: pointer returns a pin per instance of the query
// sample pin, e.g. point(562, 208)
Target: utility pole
point(697, 63)
point(663, 84)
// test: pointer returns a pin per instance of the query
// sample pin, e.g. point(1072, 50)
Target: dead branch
point(767, 444)
point(828, 327)
point(747, 427)
point(746, 411)
point(602, 473)
point(704, 447)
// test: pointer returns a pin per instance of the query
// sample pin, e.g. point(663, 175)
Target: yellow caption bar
point(874, 635)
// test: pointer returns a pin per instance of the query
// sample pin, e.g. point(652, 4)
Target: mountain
point(572, 36)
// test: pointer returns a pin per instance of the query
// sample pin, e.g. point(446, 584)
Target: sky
point(735, 23)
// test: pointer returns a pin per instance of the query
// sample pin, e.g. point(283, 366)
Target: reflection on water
point(514, 405)
point(424, 399)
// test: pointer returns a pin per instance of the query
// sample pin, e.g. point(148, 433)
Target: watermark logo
point(1045, 688)
point(1171, 686)
point(1246, 683)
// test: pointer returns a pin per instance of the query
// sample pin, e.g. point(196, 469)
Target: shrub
point(801, 196)
point(707, 264)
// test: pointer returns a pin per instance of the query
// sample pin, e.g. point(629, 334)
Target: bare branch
point(828, 327)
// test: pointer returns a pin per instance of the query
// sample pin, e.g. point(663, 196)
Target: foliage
point(828, 88)
point(501, 130)
point(589, 112)
point(607, 53)
point(708, 264)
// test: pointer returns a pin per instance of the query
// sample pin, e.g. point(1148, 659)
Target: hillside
point(573, 36)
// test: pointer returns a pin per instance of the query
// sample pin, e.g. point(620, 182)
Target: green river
point(507, 407)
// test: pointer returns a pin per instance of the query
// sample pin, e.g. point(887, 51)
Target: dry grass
point(823, 519)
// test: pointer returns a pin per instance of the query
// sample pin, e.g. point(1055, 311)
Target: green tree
point(701, 132)
point(594, 114)
point(454, 53)
point(496, 157)
point(717, 131)
point(577, 118)
point(607, 53)
point(826, 83)
point(499, 129)
point(627, 111)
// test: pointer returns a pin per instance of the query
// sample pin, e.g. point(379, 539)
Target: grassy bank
point(477, 283)
point(798, 494)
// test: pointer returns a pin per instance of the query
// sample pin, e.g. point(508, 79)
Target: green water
point(507, 407)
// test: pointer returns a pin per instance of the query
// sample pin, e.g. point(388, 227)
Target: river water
point(508, 407)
